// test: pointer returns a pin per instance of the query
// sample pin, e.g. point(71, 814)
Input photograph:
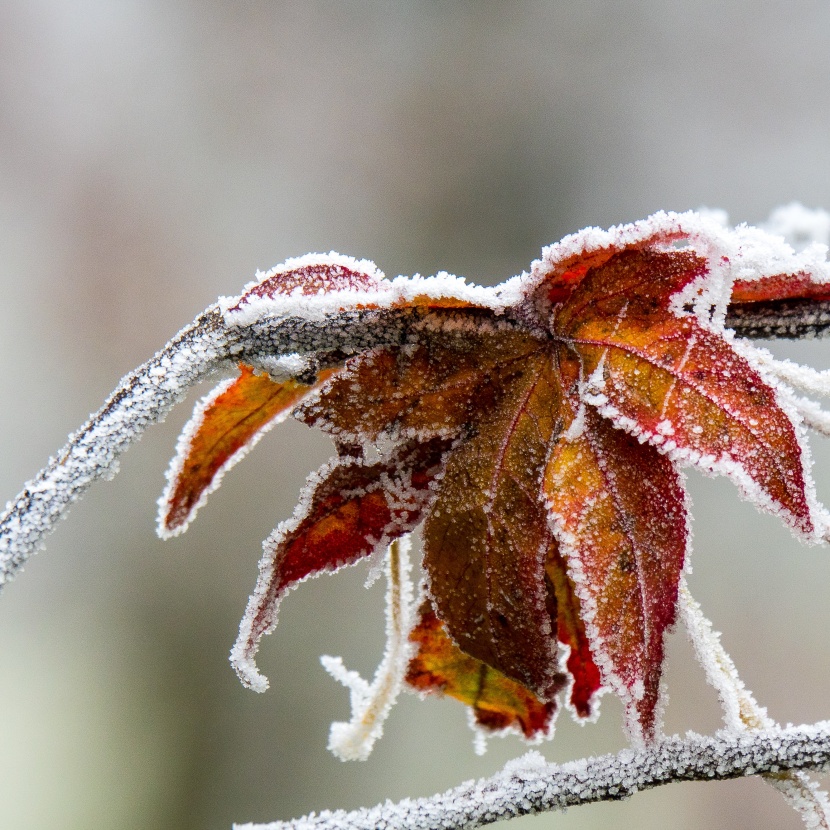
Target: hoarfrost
point(325, 302)
point(372, 702)
point(799, 226)
point(530, 785)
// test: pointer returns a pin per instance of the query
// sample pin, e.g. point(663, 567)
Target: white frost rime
point(530, 785)
point(372, 702)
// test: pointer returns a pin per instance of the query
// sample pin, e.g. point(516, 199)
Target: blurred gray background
point(153, 155)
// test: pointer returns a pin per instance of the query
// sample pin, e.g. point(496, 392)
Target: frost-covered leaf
point(620, 518)
point(537, 430)
point(680, 385)
point(560, 277)
point(777, 287)
point(439, 666)
point(432, 386)
point(315, 274)
point(224, 427)
point(349, 510)
point(486, 538)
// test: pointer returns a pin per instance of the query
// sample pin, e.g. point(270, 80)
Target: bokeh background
point(153, 155)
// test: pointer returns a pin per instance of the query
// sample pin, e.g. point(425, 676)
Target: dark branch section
point(780, 319)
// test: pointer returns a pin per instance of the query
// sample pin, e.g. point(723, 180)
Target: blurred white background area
point(153, 155)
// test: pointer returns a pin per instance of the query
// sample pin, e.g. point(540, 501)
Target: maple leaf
point(538, 432)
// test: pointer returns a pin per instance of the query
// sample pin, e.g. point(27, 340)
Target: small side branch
point(530, 785)
point(741, 711)
point(780, 319)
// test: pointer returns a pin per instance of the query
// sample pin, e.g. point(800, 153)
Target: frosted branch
point(529, 785)
point(780, 319)
point(145, 396)
point(208, 345)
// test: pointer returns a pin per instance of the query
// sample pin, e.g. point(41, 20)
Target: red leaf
point(620, 518)
point(559, 281)
point(780, 287)
point(349, 511)
point(315, 275)
point(587, 681)
point(689, 392)
point(540, 444)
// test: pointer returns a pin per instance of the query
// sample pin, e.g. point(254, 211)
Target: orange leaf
point(498, 702)
point(224, 426)
point(620, 518)
point(681, 386)
point(486, 538)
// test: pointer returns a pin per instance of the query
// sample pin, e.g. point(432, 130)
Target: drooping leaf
point(226, 424)
point(620, 519)
point(229, 421)
point(439, 666)
point(586, 678)
point(486, 538)
point(349, 510)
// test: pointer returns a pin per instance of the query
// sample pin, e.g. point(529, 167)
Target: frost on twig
point(742, 712)
point(372, 702)
point(146, 395)
point(529, 785)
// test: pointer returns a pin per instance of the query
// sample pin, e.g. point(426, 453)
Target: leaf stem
point(742, 712)
point(372, 702)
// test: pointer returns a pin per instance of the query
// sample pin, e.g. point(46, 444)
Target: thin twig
point(780, 319)
point(530, 785)
point(742, 711)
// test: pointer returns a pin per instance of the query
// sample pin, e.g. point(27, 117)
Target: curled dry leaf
point(537, 430)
